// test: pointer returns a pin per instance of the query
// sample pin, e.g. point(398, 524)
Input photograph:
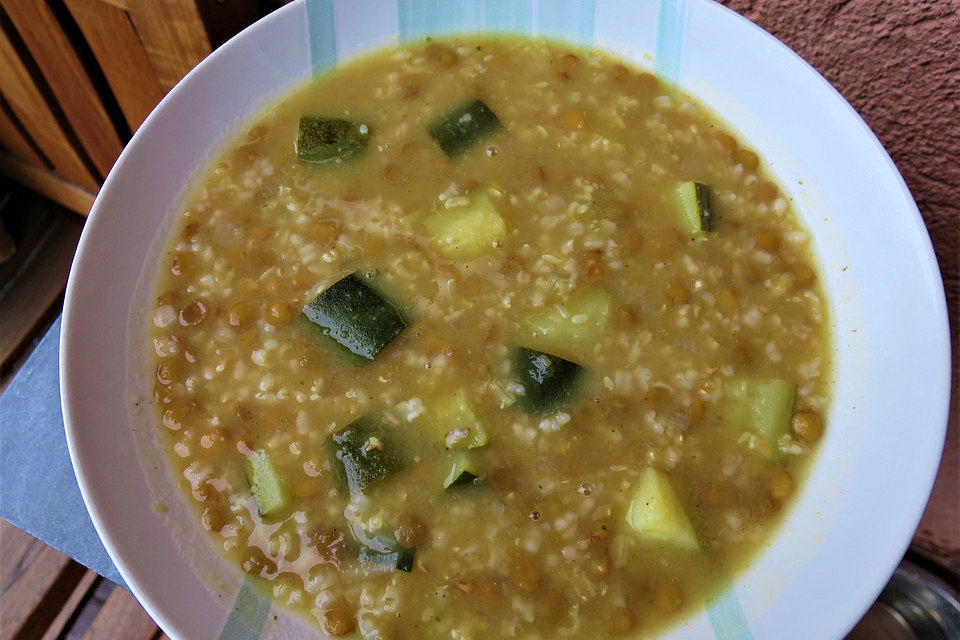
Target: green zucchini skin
point(548, 381)
point(463, 126)
point(465, 471)
point(390, 555)
point(694, 208)
point(356, 317)
point(322, 140)
point(363, 454)
point(703, 204)
point(466, 479)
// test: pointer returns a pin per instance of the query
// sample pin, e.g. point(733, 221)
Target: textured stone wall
point(898, 63)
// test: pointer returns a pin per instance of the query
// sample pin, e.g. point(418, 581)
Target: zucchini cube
point(322, 140)
point(463, 126)
point(656, 514)
point(464, 232)
point(548, 381)
point(266, 483)
point(574, 327)
point(695, 215)
point(363, 454)
point(356, 316)
point(763, 407)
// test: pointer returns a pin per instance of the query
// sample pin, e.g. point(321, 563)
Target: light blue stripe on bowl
point(419, 19)
point(249, 614)
point(323, 39)
point(671, 15)
point(565, 20)
point(570, 20)
point(727, 618)
point(504, 15)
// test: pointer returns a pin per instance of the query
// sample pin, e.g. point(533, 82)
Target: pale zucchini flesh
point(763, 407)
point(455, 424)
point(464, 232)
point(657, 515)
point(266, 483)
point(573, 328)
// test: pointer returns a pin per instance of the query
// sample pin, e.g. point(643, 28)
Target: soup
point(488, 338)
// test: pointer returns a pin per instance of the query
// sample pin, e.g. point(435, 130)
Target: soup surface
point(488, 338)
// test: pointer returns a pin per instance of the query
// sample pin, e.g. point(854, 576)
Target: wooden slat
point(15, 550)
point(35, 582)
point(48, 183)
point(64, 73)
point(78, 596)
point(173, 36)
point(122, 613)
point(121, 55)
point(35, 115)
point(14, 141)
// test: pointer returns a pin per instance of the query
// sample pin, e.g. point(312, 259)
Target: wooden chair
point(77, 77)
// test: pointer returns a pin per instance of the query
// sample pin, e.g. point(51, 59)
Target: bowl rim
point(71, 319)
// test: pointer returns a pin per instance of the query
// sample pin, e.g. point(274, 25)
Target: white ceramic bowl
point(858, 510)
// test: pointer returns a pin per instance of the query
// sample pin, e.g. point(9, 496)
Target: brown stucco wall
point(898, 63)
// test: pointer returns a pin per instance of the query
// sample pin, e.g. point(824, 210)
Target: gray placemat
point(38, 491)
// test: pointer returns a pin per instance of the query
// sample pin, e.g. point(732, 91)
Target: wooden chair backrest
point(77, 77)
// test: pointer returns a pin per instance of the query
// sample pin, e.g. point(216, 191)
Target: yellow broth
point(583, 175)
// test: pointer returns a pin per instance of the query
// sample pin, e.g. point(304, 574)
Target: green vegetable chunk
point(268, 487)
point(464, 472)
point(548, 381)
point(462, 479)
point(693, 207)
point(322, 140)
point(356, 316)
point(363, 454)
point(455, 424)
point(463, 126)
point(656, 515)
point(763, 407)
point(464, 232)
point(574, 327)
point(389, 554)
